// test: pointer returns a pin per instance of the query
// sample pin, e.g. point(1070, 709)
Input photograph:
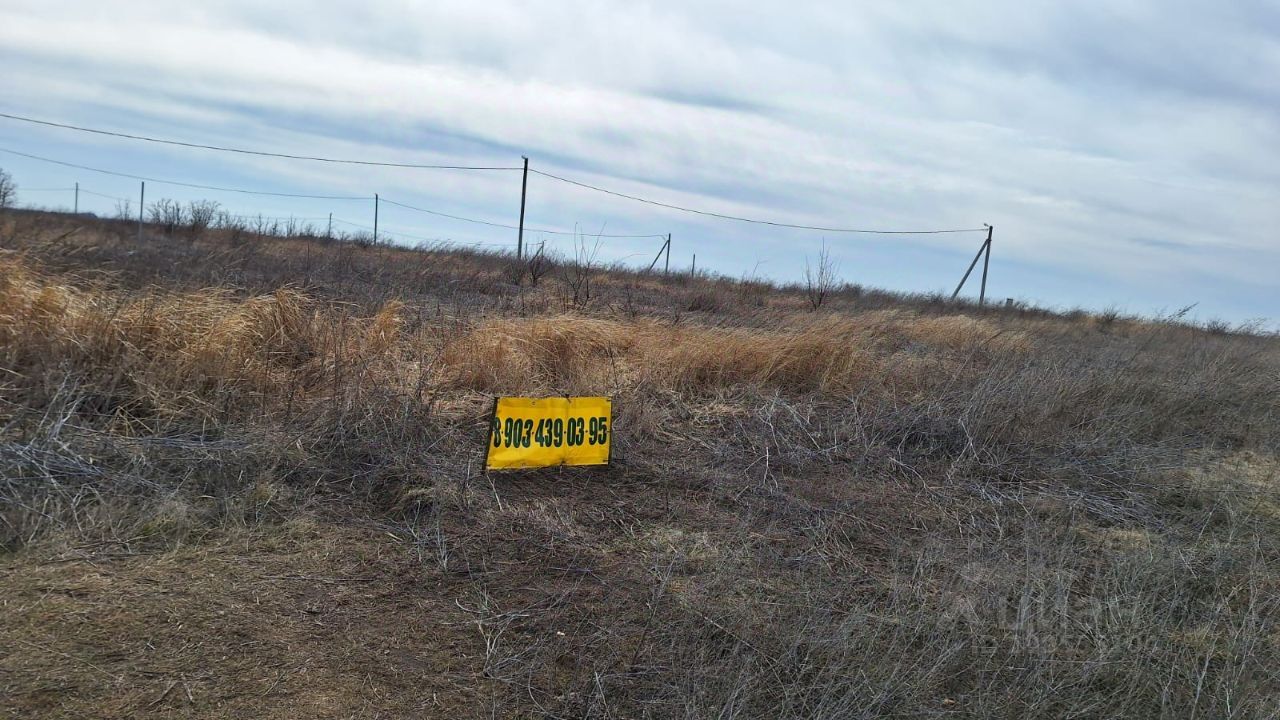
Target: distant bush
point(8, 189)
point(167, 214)
point(1217, 326)
point(201, 214)
point(1108, 317)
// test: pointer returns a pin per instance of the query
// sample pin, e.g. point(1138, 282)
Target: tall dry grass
point(867, 511)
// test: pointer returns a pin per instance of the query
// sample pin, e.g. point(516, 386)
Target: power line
point(445, 215)
point(27, 189)
point(181, 184)
point(596, 188)
point(292, 195)
point(514, 227)
point(107, 197)
point(420, 237)
point(294, 218)
point(750, 220)
point(242, 151)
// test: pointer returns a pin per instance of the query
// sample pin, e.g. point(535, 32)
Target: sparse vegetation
point(576, 272)
point(201, 215)
point(168, 215)
point(8, 189)
point(540, 265)
point(820, 279)
point(1108, 317)
point(1217, 326)
point(240, 474)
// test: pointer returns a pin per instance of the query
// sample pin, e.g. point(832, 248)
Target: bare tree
point(820, 281)
point(8, 189)
point(124, 210)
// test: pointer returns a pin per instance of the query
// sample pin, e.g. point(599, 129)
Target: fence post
point(142, 203)
point(524, 189)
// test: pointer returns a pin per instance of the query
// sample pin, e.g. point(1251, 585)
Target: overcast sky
point(1127, 152)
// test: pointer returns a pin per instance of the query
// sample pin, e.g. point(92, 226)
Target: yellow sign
point(543, 432)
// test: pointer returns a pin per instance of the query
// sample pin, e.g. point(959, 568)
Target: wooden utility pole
point(76, 207)
point(666, 248)
point(524, 189)
point(375, 218)
point(142, 203)
point(983, 251)
point(986, 262)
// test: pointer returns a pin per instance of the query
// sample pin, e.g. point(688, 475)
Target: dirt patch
point(310, 619)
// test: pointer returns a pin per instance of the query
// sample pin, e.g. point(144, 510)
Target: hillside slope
point(243, 476)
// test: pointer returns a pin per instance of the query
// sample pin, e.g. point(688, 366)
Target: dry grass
point(244, 478)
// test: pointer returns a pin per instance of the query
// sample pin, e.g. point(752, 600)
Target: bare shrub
point(577, 270)
point(1217, 326)
point(168, 214)
point(8, 189)
point(820, 281)
point(236, 228)
point(1108, 317)
point(262, 226)
point(201, 214)
point(124, 210)
point(540, 264)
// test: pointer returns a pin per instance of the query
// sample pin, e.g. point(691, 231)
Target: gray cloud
point(1111, 142)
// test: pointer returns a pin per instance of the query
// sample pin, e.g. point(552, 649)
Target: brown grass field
point(243, 476)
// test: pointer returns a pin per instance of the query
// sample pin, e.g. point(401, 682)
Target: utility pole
point(328, 234)
point(984, 249)
point(666, 247)
point(76, 209)
point(142, 203)
point(375, 218)
point(666, 264)
point(986, 262)
point(693, 272)
point(524, 189)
